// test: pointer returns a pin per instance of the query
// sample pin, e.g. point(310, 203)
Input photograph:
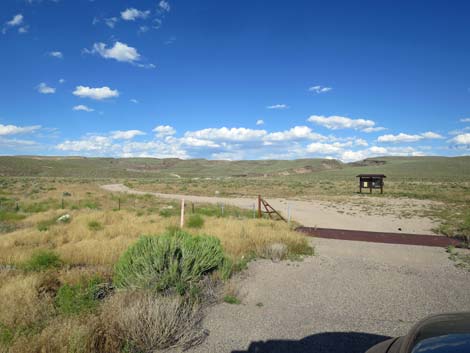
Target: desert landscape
point(65, 237)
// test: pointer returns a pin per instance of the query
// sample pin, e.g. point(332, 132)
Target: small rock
point(64, 218)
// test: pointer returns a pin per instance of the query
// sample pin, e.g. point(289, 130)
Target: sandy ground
point(345, 299)
point(358, 213)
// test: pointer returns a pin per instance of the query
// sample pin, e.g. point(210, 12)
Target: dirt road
point(345, 299)
point(385, 215)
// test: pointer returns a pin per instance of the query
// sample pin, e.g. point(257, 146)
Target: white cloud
point(232, 134)
point(126, 135)
point(164, 5)
point(324, 148)
point(132, 14)
point(260, 122)
point(84, 108)
point(133, 100)
point(462, 139)
point(295, 133)
point(16, 21)
point(164, 130)
point(335, 122)
point(23, 29)
point(277, 106)
point(89, 144)
point(95, 93)
point(431, 135)
point(402, 137)
point(111, 21)
point(320, 89)
point(13, 129)
point(465, 120)
point(61, 80)
point(56, 54)
point(43, 88)
point(120, 52)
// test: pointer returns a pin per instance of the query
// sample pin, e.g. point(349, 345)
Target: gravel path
point(345, 299)
point(325, 214)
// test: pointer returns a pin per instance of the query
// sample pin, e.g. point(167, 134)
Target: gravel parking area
point(345, 299)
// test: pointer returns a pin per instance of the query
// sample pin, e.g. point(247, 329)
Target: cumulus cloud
point(295, 133)
point(462, 139)
point(278, 106)
point(14, 130)
point(164, 5)
point(133, 100)
point(126, 135)
point(56, 54)
point(132, 14)
point(465, 120)
point(260, 122)
point(402, 137)
point(164, 130)
point(227, 134)
point(83, 108)
point(43, 88)
point(119, 51)
point(16, 21)
point(335, 122)
point(324, 148)
point(95, 93)
point(319, 89)
point(111, 21)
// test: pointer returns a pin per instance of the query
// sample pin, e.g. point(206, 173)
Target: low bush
point(45, 225)
point(42, 260)
point(7, 216)
point(166, 212)
point(143, 322)
point(95, 226)
point(75, 299)
point(195, 221)
point(230, 299)
point(168, 262)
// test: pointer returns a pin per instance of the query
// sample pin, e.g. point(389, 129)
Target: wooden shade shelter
point(371, 181)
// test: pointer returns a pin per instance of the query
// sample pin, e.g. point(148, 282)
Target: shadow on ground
point(328, 342)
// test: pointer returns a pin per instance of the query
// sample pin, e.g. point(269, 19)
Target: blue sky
point(235, 79)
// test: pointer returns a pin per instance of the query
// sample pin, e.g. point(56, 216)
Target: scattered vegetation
point(195, 221)
point(79, 298)
point(95, 225)
point(42, 260)
point(230, 299)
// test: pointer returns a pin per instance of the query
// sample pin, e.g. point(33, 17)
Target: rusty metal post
point(259, 206)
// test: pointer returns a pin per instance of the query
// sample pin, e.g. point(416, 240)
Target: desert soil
point(355, 213)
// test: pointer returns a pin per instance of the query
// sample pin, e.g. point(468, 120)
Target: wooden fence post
point(182, 214)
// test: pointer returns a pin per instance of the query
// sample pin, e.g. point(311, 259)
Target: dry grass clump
point(144, 322)
point(21, 305)
point(241, 238)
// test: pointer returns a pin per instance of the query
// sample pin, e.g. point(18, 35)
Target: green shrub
point(195, 221)
point(78, 298)
point(42, 260)
point(230, 299)
point(6, 336)
point(46, 224)
point(168, 262)
point(166, 212)
point(92, 205)
point(10, 216)
point(95, 226)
